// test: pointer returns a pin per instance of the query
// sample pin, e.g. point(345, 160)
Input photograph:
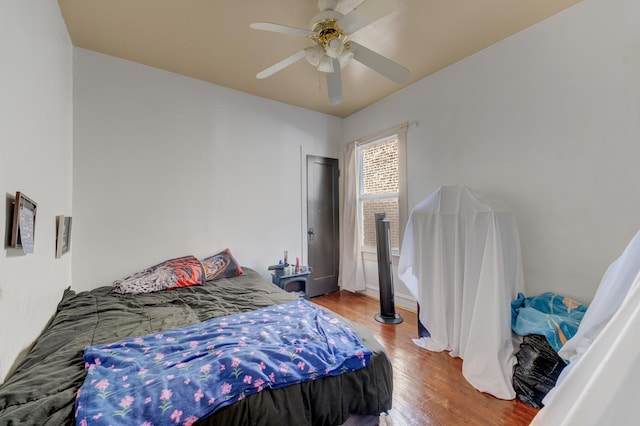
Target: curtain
point(351, 274)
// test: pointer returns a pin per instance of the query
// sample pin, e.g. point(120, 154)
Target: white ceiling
point(211, 40)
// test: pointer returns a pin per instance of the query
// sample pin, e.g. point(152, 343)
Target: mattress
point(42, 389)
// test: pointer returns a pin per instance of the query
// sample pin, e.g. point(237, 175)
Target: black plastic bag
point(537, 370)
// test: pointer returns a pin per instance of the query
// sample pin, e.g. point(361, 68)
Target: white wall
point(548, 121)
point(166, 166)
point(36, 125)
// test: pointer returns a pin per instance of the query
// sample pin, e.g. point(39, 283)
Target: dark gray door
point(322, 224)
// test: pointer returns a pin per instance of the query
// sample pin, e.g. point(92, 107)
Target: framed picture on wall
point(23, 223)
point(63, 235)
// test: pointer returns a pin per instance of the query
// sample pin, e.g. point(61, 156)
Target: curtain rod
point(382, 133)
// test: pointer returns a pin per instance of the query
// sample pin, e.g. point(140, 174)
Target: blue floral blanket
point(554, 316)
point(182, 375)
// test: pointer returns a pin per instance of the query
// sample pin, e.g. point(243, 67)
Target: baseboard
point(404, 301)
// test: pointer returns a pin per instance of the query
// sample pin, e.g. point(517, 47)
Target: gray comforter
point(42, 390)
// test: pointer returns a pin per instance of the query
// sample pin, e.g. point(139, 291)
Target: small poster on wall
point(27, 225)
point(63, 237)
point(24, 223)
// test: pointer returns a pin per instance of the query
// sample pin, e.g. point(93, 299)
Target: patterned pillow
point(221, 265)
point(180, 272)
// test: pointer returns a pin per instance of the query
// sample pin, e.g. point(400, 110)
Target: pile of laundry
point(546, 323)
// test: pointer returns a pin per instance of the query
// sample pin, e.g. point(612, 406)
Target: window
point(378, 165)
point(374, 181)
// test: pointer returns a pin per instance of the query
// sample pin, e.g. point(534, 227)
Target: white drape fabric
point(600, 385)
point(460, 259)
point(351, 271)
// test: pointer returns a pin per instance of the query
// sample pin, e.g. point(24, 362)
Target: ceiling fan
point(332, 50)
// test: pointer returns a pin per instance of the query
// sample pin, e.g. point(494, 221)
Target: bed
point(43, 388)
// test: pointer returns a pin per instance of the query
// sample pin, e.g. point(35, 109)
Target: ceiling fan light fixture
point(345, 58)
point(334, 48)
point(314, 54)
point(326, 64)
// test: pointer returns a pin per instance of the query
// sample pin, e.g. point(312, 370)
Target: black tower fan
point(387, 313)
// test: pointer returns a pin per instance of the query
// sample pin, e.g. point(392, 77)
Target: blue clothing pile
point(554, 316)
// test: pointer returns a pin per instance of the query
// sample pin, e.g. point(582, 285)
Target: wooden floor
point(428, 387)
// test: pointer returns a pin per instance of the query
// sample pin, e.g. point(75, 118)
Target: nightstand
point(292, 282)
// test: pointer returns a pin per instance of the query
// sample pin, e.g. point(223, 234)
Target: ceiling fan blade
point(277, 28)
point(385, 66)
point(334, 84)
point(281, 65)
point(365, 13)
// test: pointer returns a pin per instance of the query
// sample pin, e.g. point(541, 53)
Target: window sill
point(371, 254)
